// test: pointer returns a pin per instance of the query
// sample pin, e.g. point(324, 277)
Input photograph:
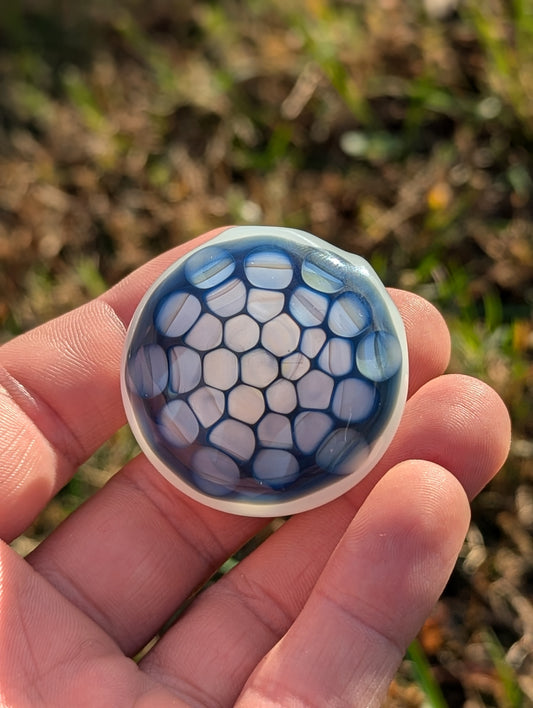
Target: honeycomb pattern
point(260, 369)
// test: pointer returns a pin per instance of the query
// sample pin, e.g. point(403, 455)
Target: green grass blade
point(424, 676)
point(511, 689)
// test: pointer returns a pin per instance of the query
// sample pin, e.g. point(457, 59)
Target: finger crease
point(65, 443)
point(355, 619)
point(211, 551)
point(255, 597)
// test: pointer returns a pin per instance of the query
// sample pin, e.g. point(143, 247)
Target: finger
point(469, 404)
point(247, 611)
point(60, 394)
point(156, 531)
point(374, 594)
point(430, 350)
point(52, 654)
point(135, 551)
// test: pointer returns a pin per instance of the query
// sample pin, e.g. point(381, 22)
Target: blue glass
point(265, 373)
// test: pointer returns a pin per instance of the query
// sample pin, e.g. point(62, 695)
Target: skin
point(319, 615)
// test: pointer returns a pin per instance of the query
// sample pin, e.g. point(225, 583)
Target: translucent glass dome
point(265, 373)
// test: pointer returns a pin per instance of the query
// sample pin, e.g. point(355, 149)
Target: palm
point(321, 612)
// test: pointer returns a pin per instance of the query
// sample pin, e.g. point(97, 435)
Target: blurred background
point(400, 130)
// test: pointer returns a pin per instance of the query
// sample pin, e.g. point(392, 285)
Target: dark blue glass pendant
point(265, 373)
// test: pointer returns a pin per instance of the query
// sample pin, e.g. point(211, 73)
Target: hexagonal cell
point(206, 333)
point(235, 438)
point(379, 356)
point(310, 429)
point(342, 451)
point(209, 266)
point(176, 314)
point(241, 333)
point(281, 396)
point(308, 307)
point(312, 341)
point(276, 468)
point(337, 357)
point(246, 403)
point(221, 369)
point(148, 370)
point(228, 299)
point(349, 315)
point(280, 335)
point(268, 268)
point(354, 400)
point(258, 368)
point(263, 305)
point(294, 366)
point(214, 472)
point(275, 431)
point(318, 270)
point(185, 369)
point(208, 405)
point(314, 390)
point(178, 424)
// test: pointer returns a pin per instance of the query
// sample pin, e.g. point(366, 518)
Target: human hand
point(320, 614)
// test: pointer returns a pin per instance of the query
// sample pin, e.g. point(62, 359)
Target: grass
point(424, 676)
point(387, 128)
